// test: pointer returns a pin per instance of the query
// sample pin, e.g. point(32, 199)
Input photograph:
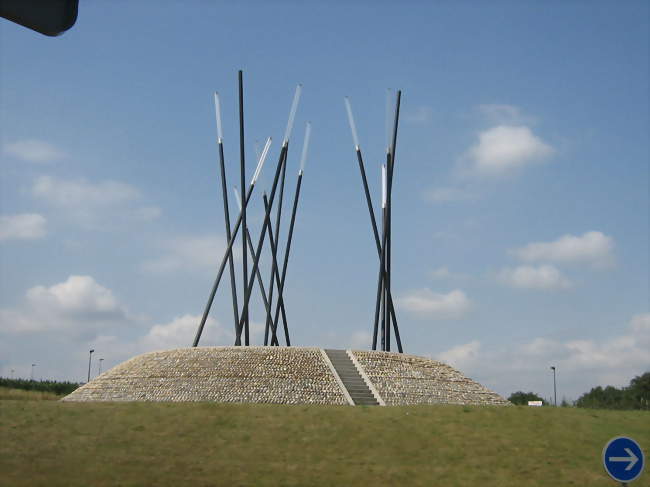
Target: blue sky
point(520, 202)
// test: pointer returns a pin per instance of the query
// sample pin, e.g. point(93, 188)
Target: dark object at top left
point(49, 17)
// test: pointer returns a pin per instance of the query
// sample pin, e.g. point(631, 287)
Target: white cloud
point(530, 277)
point(449, 194)
point(505, 147)
point(641, 325)
point(190, 253)
point(421, 115)
point(180, 332)
point(581, 363)
point(72, 194)
point(78, 306)
point(94, 203)
point(593, 247)
point(500, 113)
point(25, 226)
point(445, 273)
point(60, 323)
point(462, 355)
point(425, 303)
point(32, 150)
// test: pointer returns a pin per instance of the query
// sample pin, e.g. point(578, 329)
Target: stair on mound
point(352, 380)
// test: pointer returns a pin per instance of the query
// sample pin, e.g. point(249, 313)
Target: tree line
point(634, 396)
point(56, 387)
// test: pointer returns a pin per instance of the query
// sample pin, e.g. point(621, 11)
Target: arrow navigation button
point(632, 459)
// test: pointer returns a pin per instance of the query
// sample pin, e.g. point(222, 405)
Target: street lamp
point(554, 388)
point(31, 377)
point(90, 358)
point(100, 366)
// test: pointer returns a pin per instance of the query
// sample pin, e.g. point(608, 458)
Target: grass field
point(203, 444)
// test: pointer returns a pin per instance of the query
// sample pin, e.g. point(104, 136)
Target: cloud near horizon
point(428, 304)
point(189, 253)
point(594, 248)
point(504, 148)
point(611, 361)
point(78, 307)
point(530, 277)
point(93, 202)
point(33, 150)
point(24, 226)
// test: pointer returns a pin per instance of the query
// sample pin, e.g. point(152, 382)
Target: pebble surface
point(404, 379)
point(277, 375)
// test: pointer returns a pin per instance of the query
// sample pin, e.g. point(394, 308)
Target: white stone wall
point(404, 379)
point(283, 375)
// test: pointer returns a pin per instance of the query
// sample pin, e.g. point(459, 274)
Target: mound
point(283, 375)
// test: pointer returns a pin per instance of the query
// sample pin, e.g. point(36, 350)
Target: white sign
point(534, 403)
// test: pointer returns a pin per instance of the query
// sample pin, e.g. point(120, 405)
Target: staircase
point(353, 382)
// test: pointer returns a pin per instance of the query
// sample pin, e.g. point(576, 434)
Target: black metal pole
point(554, 388)
point(287, 250)
point(380, 283)
point(275, 276)
point(267, 304)
point(267, 217)
point(90, 358)
point(217, 280)
point(226, 212)
point(242, 167)
point(375, 232)
point(385, 344)
point(275, 242)
point(249, 239)
point(390, 170)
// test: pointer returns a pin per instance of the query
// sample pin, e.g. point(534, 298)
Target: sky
point(520, 196)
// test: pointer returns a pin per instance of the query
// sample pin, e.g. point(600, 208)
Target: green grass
point(8, 394)
point(204, 444)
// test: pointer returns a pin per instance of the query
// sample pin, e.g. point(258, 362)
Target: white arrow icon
point(632, 459)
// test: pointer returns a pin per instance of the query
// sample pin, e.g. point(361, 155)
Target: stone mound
point(280, 375)
point(402, 379)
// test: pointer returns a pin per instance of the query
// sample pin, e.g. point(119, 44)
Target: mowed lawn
point(203, 444)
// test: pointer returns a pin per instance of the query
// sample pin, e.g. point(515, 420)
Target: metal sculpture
point(278, 274)
point(384, 307)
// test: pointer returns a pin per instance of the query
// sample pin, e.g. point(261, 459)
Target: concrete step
point(359, 392)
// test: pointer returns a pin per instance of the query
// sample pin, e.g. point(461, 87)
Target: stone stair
point(353, 382)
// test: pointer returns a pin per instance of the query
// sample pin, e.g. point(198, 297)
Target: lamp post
point(90, 358)
point(31, 377)
point(100, 366)
point(554, 387)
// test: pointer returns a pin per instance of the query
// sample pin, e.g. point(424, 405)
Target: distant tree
point(635, 396)
point(60, 388)
point(639, 391)
point(521, 398)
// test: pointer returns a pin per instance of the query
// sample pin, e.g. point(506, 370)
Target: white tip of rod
point(292, 114)
point(353, 127)
point(217, 109)
point(260, 163)
point(237, 197)
point(305, 146)
point(383, 186)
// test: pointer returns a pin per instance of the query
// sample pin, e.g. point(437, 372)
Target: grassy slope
point(8, 394)
point(52, 443)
